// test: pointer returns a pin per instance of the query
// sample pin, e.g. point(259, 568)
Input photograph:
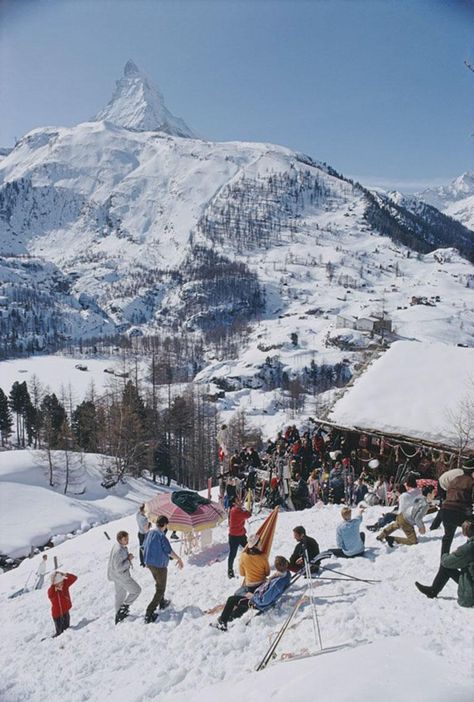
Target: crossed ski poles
point(346, 576)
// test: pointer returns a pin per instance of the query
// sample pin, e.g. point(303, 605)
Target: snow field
point(399, 639)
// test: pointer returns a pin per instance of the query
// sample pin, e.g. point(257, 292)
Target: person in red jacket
point(61, 603)
point(237, 533)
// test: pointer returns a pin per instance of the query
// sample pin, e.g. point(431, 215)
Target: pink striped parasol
point(206, 516)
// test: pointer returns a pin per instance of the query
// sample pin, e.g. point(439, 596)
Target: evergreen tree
point(6, 420)
point(54, 416)
point(84, 425)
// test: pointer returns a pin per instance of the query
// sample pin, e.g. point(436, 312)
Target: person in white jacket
point(412, 507)
point(126, 588)
point(41, 572)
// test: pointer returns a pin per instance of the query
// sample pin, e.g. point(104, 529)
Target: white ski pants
point(126, 590)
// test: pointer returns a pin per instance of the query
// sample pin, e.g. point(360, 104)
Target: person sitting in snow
point(350, 541)
point(126, 588)
point(303, 543)
point(261, 599)
point(58, 594)
point(253, 566)
point(459, 566)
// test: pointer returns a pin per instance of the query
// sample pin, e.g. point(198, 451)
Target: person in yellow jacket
point(253, 566)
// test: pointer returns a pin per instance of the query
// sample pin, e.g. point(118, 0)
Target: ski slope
point(389, 642)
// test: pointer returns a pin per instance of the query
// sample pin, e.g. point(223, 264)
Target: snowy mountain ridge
point(150, 232)
point(455, 199)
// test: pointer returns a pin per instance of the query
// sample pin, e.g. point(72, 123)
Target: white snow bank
point(411, 390)
point(405, 647)
point(32, 512)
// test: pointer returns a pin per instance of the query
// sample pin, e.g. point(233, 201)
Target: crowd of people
point(295, 484)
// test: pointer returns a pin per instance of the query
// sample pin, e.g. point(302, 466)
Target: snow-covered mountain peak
point(456, 199)
point(139, 105)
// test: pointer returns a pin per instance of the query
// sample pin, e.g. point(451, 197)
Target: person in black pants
point(457, 506)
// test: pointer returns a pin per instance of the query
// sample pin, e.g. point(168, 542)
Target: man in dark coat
point(458, 503)
point(303, 542)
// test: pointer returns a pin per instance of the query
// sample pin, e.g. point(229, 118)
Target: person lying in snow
point(58, 594)
point(262, 599)
point(459, 566)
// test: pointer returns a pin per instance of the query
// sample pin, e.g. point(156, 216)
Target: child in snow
point(41, 572)
point(58, 594)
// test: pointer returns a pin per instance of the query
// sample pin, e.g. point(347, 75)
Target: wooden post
point(209, 486)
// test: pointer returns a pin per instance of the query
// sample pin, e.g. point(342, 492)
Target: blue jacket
point(268, 593)
point(348, 537)
point(156, 549)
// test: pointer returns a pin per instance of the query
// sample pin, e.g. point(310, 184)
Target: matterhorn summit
point(137, 104)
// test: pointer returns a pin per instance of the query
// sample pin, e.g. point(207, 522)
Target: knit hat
point(57, 578)
point(468, 464)
point(253, 540)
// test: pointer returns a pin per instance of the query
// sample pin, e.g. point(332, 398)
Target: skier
point(157, 553)
point(41, 572)
point(237, 534)
point(262, 598)
point(58, 594)
point(126, 588)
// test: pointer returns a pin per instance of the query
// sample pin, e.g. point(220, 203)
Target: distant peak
point(131, 69)
point(137, 104)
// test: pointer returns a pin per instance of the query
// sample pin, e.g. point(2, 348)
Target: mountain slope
point(151, 231)
point(455, 199)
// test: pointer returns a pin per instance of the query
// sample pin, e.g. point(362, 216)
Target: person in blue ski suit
point(262, 599)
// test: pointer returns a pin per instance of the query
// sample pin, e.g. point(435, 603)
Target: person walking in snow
point(350, 541)
point(60, 599)
point(118, 572)
point(41, 572)
point(237, 534)
point(459, 566)
point(157, 553)
point(458, 503)
point(143, 526)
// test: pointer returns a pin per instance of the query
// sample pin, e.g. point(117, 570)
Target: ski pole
point(307, 567)
point(350, 577)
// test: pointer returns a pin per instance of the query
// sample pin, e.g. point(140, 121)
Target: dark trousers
point(141, 539)
point(340, 553)
point(235, 607)
point(442, 577)
point(452, 519)
point(160, 575)
point(234, 543)
point(61, 623)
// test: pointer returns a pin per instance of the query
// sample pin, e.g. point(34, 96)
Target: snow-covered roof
point(413, 389)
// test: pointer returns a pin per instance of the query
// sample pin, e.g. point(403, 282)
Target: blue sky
point(376, 88)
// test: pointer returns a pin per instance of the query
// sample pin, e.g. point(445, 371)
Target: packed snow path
point(396, 635)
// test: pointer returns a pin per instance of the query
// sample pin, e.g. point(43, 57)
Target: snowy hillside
point(396, 643)
point(455, 199)
point(121, 225)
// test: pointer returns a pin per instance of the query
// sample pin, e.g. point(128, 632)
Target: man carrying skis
point(126, 588)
